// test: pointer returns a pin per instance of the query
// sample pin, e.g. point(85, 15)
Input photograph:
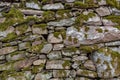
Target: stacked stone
point(60, 40)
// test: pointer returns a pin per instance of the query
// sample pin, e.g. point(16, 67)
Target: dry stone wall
point(59, 40)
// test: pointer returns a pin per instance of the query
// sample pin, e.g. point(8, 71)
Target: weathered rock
point(95, 20)
point(102, 2)
point(103, 11)
point(58, 64)
point(116, 43)
point(17, 65)
point(86, 73)
point(38, 30)
point(20, 30)
point(107, 63)
point(16, 55)
point(108, 22)
point(69, 0)
point(80, 58)
point(89, 65)
point(53, 39)
point(26, 75)
point(55, 6)
point(67, 52)
point(61, 73)
point(64, 74)
point(54, 55)
point(32, 5)
point(7, 50)
point(64, 22)
point(115, 11)
point(2, 20)
point(117, 49)
point(46, 48)
point(24, 45)
point(42, 56)
point(2, 57)
point(76, 64)
point(58, 46)
point(43, 76)
point(82, 78)
point(6, 32)
point(32, 12)
point(39, 62)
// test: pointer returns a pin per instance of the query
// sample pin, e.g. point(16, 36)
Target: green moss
point(81, 18)
point(113, 3)
point(13, 13)
point(63, 14)
point(66, 63)
point(86, 35)
point(37, 48)
point(88, 49)
point(43, 26)
point(12, 17)
point(36, 69)
point(118, 27)
point(86, 4)
point(106, 30)
point(10, 37)
point(87, 28)
point(72, 49)
point(56, 34)
point(99, 30)
point(48, 15)
point(31, 18)
point(6, 74)
point(62, 73)
point(113, 18)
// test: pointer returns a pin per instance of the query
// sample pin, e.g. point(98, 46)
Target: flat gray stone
point(55, 6)
point(43, 76)
point(46, 48)
point(58, 64)
point(7, 50)
point(53, 39)
point(54, 55)
point(64, 22)
point(32, 5)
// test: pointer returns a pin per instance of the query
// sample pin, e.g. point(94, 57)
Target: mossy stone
point(10, 37)
point(48, 15)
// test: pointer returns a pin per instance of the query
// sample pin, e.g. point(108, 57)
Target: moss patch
point(99, 30)
point(88, 49)
point(48, 15)
point(86, 4)
point(66, 63)
point(43, 26)
point(113, 3)
point(63, 14)
point(37, 48)
point(81, 18)
point(10, 37)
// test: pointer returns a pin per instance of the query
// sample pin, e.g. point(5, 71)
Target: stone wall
point(59, 40)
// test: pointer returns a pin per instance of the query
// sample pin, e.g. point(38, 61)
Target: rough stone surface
point(59, 39)
point(58, 64)
point(7, 50)
point(32, 5)
point(64, 22)
point(46, 48)
point(53, 39)
point(53, 6)
point(103, 11)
